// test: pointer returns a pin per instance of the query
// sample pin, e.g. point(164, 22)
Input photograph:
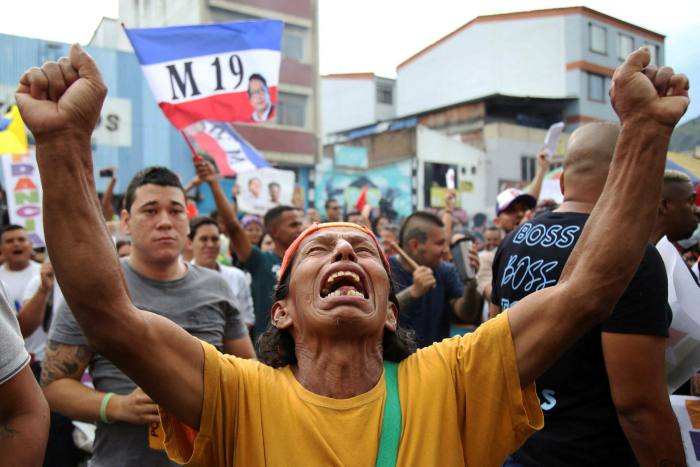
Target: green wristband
point(103, 408)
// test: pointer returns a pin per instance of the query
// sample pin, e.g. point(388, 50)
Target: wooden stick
point(411, 264)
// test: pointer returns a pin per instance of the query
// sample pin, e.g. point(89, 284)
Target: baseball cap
point(511, 195)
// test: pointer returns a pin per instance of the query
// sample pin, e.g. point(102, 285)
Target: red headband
point(315, 227)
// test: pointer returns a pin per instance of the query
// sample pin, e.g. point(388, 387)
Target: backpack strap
point(391, 421)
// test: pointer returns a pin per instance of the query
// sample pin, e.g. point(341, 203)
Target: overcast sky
point(377, 35)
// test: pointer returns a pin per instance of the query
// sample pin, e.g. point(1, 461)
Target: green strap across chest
point(391, 422)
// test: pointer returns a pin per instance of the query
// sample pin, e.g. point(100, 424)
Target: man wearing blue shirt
point(430, 293)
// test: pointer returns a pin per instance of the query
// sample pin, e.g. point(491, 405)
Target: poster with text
point(23, 191)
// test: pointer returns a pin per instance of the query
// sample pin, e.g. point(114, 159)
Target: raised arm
point(31, 314)
point(240, 244)
point(60, 103)
point(542, 168)
point(649, 104)
point(108, 196)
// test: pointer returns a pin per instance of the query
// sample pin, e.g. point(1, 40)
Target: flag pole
point(195, 156)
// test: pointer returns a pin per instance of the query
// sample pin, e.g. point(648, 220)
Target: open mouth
point(344, 283)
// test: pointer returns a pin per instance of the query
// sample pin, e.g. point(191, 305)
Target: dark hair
point(122, 242)
point(197, 222)
point(274, 214)
point(329, 201)
point(259, 77)
point(271, 184)
point(375, 221)
point(352, 213)
point(411, 228)
point(276, 346)
point(10, 228)
point(161, 176)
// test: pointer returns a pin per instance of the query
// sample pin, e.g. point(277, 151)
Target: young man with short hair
point(204, 237)
point(194, 298)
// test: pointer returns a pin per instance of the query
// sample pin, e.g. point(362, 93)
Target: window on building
point(385, 95)
point(293, 42)
point(291, 109)
point(654, 51)
point(625, 46)
point(598, 38)
point(528, 165)
point(596, 87)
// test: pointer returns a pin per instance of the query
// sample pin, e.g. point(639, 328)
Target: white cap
point(511, 195)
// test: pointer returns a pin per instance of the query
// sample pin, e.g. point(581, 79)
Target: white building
point(554, 53)
point(363, 97)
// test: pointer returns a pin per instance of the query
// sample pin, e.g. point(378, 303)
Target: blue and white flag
point(226, 72)
point(221, 142)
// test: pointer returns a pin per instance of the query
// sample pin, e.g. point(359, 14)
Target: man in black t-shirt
point(598, 409)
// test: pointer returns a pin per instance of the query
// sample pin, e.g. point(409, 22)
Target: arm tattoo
point(64, 361)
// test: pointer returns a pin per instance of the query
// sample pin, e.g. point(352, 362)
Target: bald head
point(588, 155)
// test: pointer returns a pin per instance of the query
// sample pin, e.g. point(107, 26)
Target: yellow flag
point(13, 139)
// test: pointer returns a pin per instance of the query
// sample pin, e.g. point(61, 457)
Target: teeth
point(338, 274)
point(351, 292)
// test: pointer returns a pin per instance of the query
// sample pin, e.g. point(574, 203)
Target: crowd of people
point(308, 338)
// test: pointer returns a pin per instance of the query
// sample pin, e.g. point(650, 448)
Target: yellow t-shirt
point(461, 404)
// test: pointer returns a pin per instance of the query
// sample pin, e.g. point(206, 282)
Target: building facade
point(132, 132)
point(292, 141)
point(480, 99)
point(556, 53)
point(363, 97)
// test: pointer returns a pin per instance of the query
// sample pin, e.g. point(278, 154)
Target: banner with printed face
point(264, 189)
point(687, 410)
point(222, 143)
point(227, 72)
point(23, 190)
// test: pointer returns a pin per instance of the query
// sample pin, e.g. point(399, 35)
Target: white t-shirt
point(16, 283)
point(239, 282)
point(13, 356)
point(57, 299)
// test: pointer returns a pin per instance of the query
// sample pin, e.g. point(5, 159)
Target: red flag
point(362, 199)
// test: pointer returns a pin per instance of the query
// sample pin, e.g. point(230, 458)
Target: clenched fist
point(641, 93)
point(62, 97)
point(423, 281)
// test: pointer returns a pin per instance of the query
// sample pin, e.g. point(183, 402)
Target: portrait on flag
point(264, 189)
point(226, 72)
point(220, 141)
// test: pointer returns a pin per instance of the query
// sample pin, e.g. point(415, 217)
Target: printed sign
point(226, 72)
point(114, 126)
point(350, 156)
point(687, 410)
point(264, 189)
point(23, 188)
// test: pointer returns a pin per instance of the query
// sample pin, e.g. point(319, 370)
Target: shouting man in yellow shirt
point(343, 389)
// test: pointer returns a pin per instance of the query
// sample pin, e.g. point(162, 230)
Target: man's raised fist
point(641, 92)
point(62, 97)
